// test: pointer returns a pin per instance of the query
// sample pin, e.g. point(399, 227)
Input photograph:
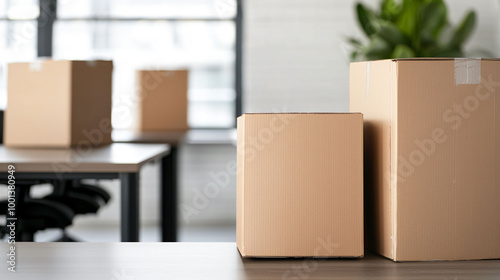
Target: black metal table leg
point(168, 201)
point(22, 193)
point(129, 207)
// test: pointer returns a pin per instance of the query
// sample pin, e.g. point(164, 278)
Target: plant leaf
point(391, 33)
point(365, 17)
point(464, 30)
point(355, 42)
point(432, 18)
point(354, 55)
point(407, 21)
point(390, 10)
point(402, 51)
point(377, 49)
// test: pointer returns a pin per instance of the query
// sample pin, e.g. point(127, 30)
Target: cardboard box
point(164, 103)
point(58, 104)
point(432, 158)
point(300, 185)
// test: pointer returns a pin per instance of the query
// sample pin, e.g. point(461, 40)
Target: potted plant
point(410, 28)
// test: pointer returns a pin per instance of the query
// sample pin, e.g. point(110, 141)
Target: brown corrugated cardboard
point(58, 104)
point(431, 157)
point(163, 103)
point(300, 185)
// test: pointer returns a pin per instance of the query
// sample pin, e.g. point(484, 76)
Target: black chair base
point(66, 238)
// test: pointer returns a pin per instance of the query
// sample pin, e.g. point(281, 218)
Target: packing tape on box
point(36, 66)
point(467, 71)
point(368, 71)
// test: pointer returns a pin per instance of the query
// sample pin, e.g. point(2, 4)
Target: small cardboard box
point(300, 185)
point(432, 158)
point(58, 104)
point(163, 102)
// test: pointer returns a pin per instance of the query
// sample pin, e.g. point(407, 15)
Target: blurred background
point(243, 56)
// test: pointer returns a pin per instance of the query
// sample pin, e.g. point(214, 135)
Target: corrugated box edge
point(240, 158)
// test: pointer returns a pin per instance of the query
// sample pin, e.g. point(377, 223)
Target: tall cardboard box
point(58, 104)
point(432, 158)
point(300, 185)
point(163, 102)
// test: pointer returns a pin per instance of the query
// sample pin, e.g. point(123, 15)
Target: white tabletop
point(218, 261)
point(115, 157)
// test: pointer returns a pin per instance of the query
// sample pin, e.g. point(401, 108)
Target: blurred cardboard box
point(163, 101)
point(300, 185)
point(58, 104)
point(432, 160)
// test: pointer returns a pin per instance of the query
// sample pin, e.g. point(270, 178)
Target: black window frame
point(48, 15)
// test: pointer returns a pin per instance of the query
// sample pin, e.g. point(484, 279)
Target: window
point(18, 37)
point(200, 35)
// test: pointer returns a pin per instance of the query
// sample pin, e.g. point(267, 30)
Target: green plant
point(410, 28)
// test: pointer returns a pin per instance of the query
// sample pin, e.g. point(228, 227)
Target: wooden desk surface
point(111, 158)
point(220, 261)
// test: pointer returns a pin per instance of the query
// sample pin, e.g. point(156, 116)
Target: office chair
point(34, 214)
point(81, 200)
point(56, 210)
point(96, 192)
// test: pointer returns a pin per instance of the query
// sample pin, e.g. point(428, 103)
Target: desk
point(122, 161)
point(218, 261)
point(168, 192)
point(170, 163)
